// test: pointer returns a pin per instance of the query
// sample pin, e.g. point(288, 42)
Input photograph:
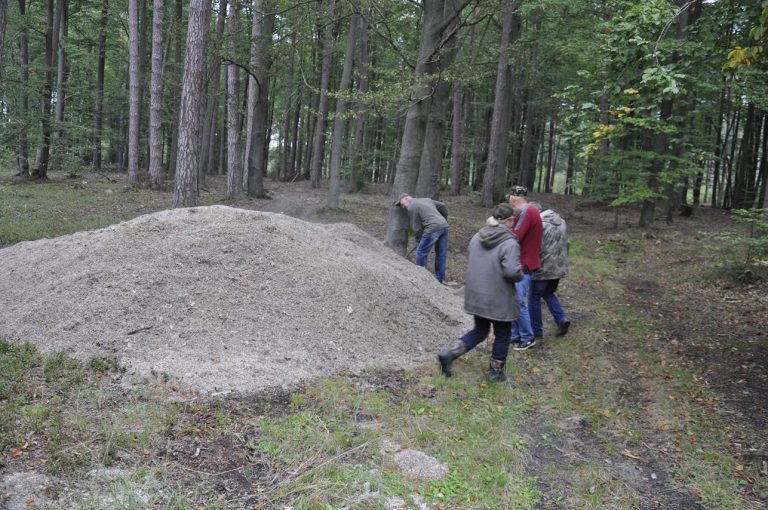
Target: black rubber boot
point(496, 371)
point(446, 357)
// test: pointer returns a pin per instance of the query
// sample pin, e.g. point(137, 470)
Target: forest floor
point(654, 399)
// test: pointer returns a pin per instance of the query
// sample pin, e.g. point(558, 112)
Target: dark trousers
point(501, 330)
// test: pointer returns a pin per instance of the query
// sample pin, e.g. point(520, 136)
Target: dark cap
point(503, 212)
point(518, 191)
point(402, 196)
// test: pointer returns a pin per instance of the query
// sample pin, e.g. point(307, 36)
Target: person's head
point(404, 200)
point(504, 214)
point(518, 198)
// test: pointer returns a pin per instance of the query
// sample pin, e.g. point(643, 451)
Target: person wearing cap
point(493, 268)
point(429, 222)
point(529, 230)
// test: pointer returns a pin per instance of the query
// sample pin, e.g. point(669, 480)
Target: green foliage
point(744, 252)
point(758, 34)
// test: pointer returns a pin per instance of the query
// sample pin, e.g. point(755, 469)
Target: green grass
point(31, 210)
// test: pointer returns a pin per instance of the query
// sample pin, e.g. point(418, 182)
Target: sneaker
point(562, 329)
point(524, 346)
point(514, 341)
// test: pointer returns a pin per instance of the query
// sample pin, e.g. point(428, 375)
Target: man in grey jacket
point(493, 268)
point(554, 266)
point(429, 222)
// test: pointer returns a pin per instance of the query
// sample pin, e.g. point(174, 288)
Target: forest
point(266, 351)
point(658, 103)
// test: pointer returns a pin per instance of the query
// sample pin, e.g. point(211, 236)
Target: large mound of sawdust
point(226, 299)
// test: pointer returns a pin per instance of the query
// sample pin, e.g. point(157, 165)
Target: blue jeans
point(439, 240)
point(501, 331)
point(545, 289)
point(521, 328)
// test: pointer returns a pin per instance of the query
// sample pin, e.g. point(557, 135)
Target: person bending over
point(429, 223)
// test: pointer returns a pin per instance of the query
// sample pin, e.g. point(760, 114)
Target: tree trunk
point(287, 134)
point(570, 170)
point(686, 15)
point(61, 81)
point(186, 191)
point(356, 173)
point(498, 134)
point(156, 98)
point(339, 123)
point(296, 143)
point(41, 172)
point(208, 142)
point(23, 157)
point(98, 114)
point(143, 24)
point(258, 99)
point(133, 86)
point(727, 190)
point(744, 185)
point(550, 158)
point(437, 17)
point(3, 14)
point(176, 87)
point(763, 194)
point(234, 156)
point(318, 144)
point(457, 135)
point(720, 143)
point(431, 162)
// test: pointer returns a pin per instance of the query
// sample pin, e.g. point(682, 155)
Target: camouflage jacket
point(554, 247)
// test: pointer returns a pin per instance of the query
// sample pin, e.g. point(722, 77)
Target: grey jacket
point(426, 217)
point(554, 247)
point(493, 267)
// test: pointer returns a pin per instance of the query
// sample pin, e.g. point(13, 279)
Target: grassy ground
point(616, 415)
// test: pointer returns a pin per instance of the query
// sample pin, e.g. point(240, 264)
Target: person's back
point(529, 231)
point(493, 267)
point(554, 266)
point(429, 222)
point(425, 216)
point(554, 247)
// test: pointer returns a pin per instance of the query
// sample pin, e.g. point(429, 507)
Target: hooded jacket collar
point(492, 235)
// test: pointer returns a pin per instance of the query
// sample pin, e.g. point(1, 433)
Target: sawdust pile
point(226, 299)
